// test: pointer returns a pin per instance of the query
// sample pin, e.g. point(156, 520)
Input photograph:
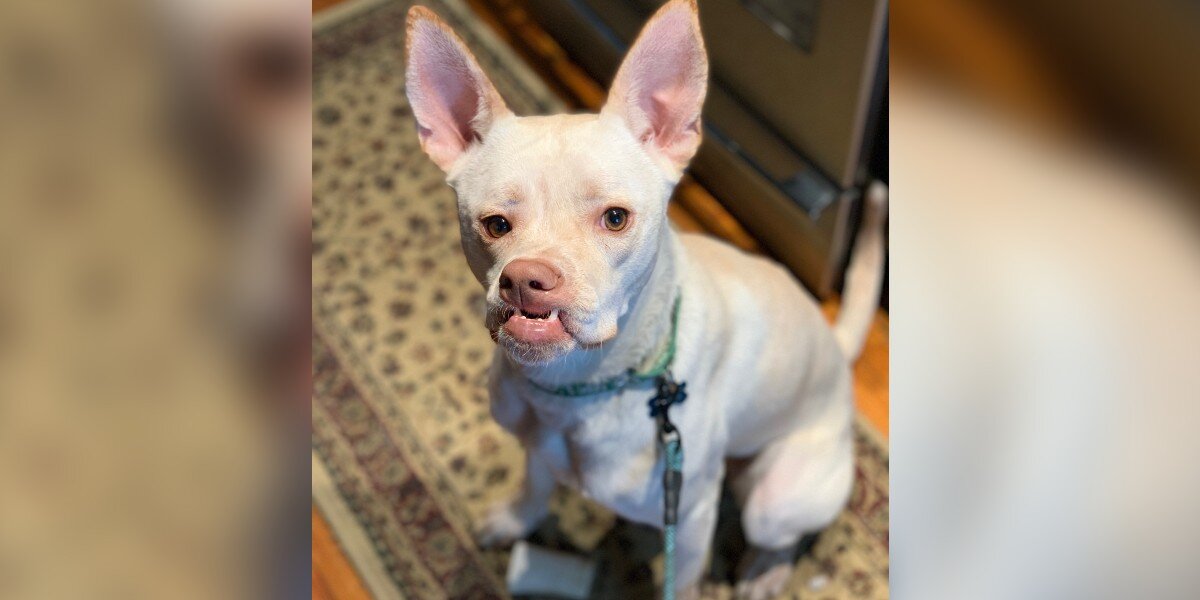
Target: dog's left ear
point(659, 89)
point(454, 103)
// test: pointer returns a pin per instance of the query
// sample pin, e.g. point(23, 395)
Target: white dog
point(563, 221)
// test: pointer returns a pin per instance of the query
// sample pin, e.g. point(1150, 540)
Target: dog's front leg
point(513, 519)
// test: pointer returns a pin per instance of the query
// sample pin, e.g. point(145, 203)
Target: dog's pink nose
point(530, 285)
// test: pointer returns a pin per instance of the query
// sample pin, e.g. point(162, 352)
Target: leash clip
point(669, 393)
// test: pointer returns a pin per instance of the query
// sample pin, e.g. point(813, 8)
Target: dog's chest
point(608, 455)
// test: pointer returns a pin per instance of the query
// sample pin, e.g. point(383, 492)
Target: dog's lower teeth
point(537, 317)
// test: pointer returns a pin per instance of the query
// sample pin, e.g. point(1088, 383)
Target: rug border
point(349, 534)
point(360, 376)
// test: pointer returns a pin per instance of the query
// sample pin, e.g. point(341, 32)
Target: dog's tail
point(864, 276)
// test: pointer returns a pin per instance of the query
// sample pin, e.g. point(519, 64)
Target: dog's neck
point(642, 331)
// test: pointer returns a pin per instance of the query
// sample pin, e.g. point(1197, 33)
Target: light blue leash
point(674, 468)
point(669, 392)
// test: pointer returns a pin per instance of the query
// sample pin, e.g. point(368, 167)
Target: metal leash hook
point(669, 392)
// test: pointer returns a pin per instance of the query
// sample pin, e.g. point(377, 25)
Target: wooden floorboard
point(333, 577)
point(319, 5)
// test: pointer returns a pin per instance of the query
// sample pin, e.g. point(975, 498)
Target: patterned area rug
point(405, 456)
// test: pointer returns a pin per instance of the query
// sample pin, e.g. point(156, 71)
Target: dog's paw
point(504, 524)
point(764, 573)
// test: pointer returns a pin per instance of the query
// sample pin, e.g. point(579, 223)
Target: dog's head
point(561, 216)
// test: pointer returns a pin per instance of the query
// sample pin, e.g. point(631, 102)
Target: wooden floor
point(692, 209)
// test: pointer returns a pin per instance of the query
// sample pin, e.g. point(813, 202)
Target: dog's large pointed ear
point(659, 89)
point(454, 103)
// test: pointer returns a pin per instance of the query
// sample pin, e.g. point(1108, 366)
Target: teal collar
point(661, 365)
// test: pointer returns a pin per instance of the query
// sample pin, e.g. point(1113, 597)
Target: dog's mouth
point(534, 328)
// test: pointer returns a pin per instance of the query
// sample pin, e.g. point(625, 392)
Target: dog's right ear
point(453, 101)
point(659, 89)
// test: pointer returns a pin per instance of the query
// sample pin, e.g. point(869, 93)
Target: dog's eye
point(616, 219)
point(496, 226)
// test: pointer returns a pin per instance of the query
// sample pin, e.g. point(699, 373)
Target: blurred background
point(154, 227)
point(1045, 293)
